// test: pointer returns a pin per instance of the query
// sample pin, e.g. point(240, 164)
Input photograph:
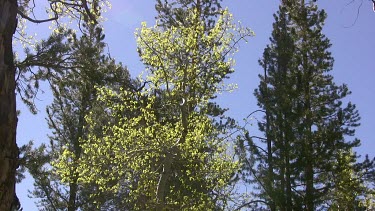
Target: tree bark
point(8, 116)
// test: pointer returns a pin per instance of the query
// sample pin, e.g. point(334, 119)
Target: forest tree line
point(160, 141)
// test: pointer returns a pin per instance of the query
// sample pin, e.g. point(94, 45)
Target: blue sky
point(353, 49)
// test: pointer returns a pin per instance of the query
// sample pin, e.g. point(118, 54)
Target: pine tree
point(11, 10)
point(306, 125)
point(8, 116)
point(73, 88)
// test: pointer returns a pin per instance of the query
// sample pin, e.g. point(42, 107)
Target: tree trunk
point(73, 187)
point(270, 174)
point(8, 116)
point(288, 139)
point(288, 187)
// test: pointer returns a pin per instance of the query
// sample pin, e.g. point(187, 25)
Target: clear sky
point(353, 49)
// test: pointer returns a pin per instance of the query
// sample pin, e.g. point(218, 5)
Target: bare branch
point(255, 112)
point(358, 10)
point(251, 202)
point(34, 20)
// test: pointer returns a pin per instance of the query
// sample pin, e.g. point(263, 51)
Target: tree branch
point(34, 20)
point(91, 16)
point(251, 202)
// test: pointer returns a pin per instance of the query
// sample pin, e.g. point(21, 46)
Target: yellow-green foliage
point(163, 147)
point(349, 193)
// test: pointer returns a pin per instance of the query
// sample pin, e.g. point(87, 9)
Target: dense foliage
point(73, 87)
point(160, 141)
point(14, 14)
point(167, 152)
point(306, 160)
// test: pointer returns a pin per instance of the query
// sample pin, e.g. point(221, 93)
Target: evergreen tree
point(11, 12)
point(306, 125)
point(73, 88)
point(8, 114)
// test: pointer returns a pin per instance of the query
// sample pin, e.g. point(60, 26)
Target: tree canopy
point(162, 140)
point(167, 151)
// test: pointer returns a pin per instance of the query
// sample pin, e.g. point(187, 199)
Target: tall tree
point(8, 116)
point(174, 12)
point(306, 125)
point(170, 154)
point(9, 10)
point(73, 88)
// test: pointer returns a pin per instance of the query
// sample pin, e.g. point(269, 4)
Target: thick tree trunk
point(8, 116)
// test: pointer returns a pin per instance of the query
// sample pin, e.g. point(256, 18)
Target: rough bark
point(8, 117)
